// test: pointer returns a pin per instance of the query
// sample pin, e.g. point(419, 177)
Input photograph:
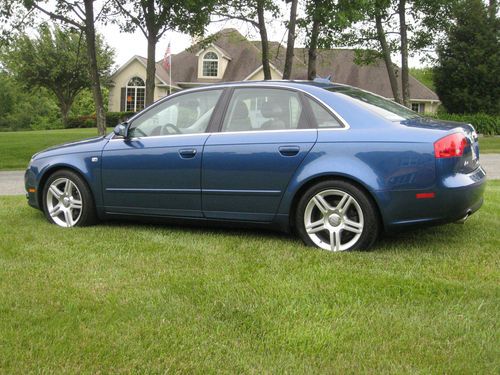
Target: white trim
point(261, 67)
point(218, 49)
point(138, 58)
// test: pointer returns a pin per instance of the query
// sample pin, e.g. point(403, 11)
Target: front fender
point(86, 164)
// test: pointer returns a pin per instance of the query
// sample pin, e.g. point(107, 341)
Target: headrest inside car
point(240, 111)
point(272, 108)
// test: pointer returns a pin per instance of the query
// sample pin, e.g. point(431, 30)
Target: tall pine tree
point(467, 76)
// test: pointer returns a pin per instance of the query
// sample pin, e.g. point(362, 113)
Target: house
point(228, 56)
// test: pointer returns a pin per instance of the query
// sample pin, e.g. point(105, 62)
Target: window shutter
point(123, 98)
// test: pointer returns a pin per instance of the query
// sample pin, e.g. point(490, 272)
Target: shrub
point(115, 118)
point(81, 122)
point(482, 122)
point(112, 119)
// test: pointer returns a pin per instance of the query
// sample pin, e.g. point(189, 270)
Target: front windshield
point(384, 107)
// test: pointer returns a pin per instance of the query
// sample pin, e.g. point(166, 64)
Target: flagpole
point(170, 70)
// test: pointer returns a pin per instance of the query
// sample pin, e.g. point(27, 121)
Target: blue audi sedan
point(335, 164)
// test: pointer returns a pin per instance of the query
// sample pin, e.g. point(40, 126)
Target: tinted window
point(263, 109)
point(384, 107)
point(184, 114)
point(324, 119)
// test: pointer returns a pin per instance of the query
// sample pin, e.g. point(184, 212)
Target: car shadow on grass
point(410, 239)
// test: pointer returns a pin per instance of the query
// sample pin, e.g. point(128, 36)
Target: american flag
point(167, 59)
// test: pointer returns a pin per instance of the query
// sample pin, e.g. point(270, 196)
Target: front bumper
point(31, 188)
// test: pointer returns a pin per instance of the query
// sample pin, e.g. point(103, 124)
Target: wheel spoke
point(56, 211)
point(334, 241)
point(344, 203)
point(322, 204)
point(68, 218)
point(68, 188)
point(352, 226)
point(76, 204)
point(55, 191)
point(317, 226)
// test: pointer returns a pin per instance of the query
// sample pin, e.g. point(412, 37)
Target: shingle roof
point(246, 59)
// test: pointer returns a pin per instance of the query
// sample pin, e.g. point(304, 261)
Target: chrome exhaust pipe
point(464, 219)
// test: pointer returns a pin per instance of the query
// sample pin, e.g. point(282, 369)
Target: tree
point(155, 17)
point(401, 27)
point(254, 13)
point(55, 60)
point(74, 15)
point(290, 44)
point(323, 21)
point(467, 75)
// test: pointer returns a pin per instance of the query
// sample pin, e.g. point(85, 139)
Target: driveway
point(12, 182)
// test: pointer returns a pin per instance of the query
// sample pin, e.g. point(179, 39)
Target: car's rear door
point(156, 170)
point(246, 166)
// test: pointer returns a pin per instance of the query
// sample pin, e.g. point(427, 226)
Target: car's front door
point(156, 169)
point(264, 137)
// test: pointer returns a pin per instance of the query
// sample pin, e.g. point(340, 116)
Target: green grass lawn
point(131, 298)
point(488, 145)
point(16, 148)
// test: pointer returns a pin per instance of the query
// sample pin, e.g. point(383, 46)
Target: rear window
point(384, 107)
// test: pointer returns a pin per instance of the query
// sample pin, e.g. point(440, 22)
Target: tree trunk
point(312, 51)
point(64, 108)
point(405, 77)
point(151, 69)
point(263, 37)
point(290, 44)
point(387, 58)
point(94, 72)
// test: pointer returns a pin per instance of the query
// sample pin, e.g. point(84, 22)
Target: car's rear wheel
point(67, 200)
point(337, 216)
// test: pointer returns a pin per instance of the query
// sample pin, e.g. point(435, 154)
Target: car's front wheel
point(337, 216)
point(67, 200)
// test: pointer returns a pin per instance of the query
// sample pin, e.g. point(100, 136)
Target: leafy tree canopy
point(56, 61)
point(467, 76)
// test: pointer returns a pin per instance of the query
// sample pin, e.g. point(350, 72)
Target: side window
point(185, 114)
point(324, 119)
point(263, 109)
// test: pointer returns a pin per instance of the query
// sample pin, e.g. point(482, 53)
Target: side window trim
point(343, 124)
point(177, 95)
point(217, 120)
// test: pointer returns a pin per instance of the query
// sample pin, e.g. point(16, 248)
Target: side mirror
point(121, 130)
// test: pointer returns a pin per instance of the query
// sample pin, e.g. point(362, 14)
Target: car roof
point(323, 83)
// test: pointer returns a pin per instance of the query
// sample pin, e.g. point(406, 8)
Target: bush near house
point(112, 119)
point(483, 123)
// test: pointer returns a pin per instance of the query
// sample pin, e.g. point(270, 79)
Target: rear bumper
point(455, 197)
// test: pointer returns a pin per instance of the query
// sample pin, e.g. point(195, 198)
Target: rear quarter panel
point(381, 159)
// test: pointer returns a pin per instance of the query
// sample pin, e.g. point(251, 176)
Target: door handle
point(187, 153)
point(289, 150)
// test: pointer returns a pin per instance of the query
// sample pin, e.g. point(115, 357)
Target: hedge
point(483, 123)
point(112, 119)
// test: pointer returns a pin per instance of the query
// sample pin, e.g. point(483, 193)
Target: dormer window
point(210, 64)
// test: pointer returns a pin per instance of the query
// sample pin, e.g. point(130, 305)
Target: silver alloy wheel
point(64, 202)
point(333, 220)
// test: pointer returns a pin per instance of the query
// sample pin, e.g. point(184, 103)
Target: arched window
point(136, 91)
point(210, 64)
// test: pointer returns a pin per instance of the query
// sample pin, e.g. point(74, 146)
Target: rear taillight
point(450, 146)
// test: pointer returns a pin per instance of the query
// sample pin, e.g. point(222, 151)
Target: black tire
point(87, 213)
point(371, 227)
